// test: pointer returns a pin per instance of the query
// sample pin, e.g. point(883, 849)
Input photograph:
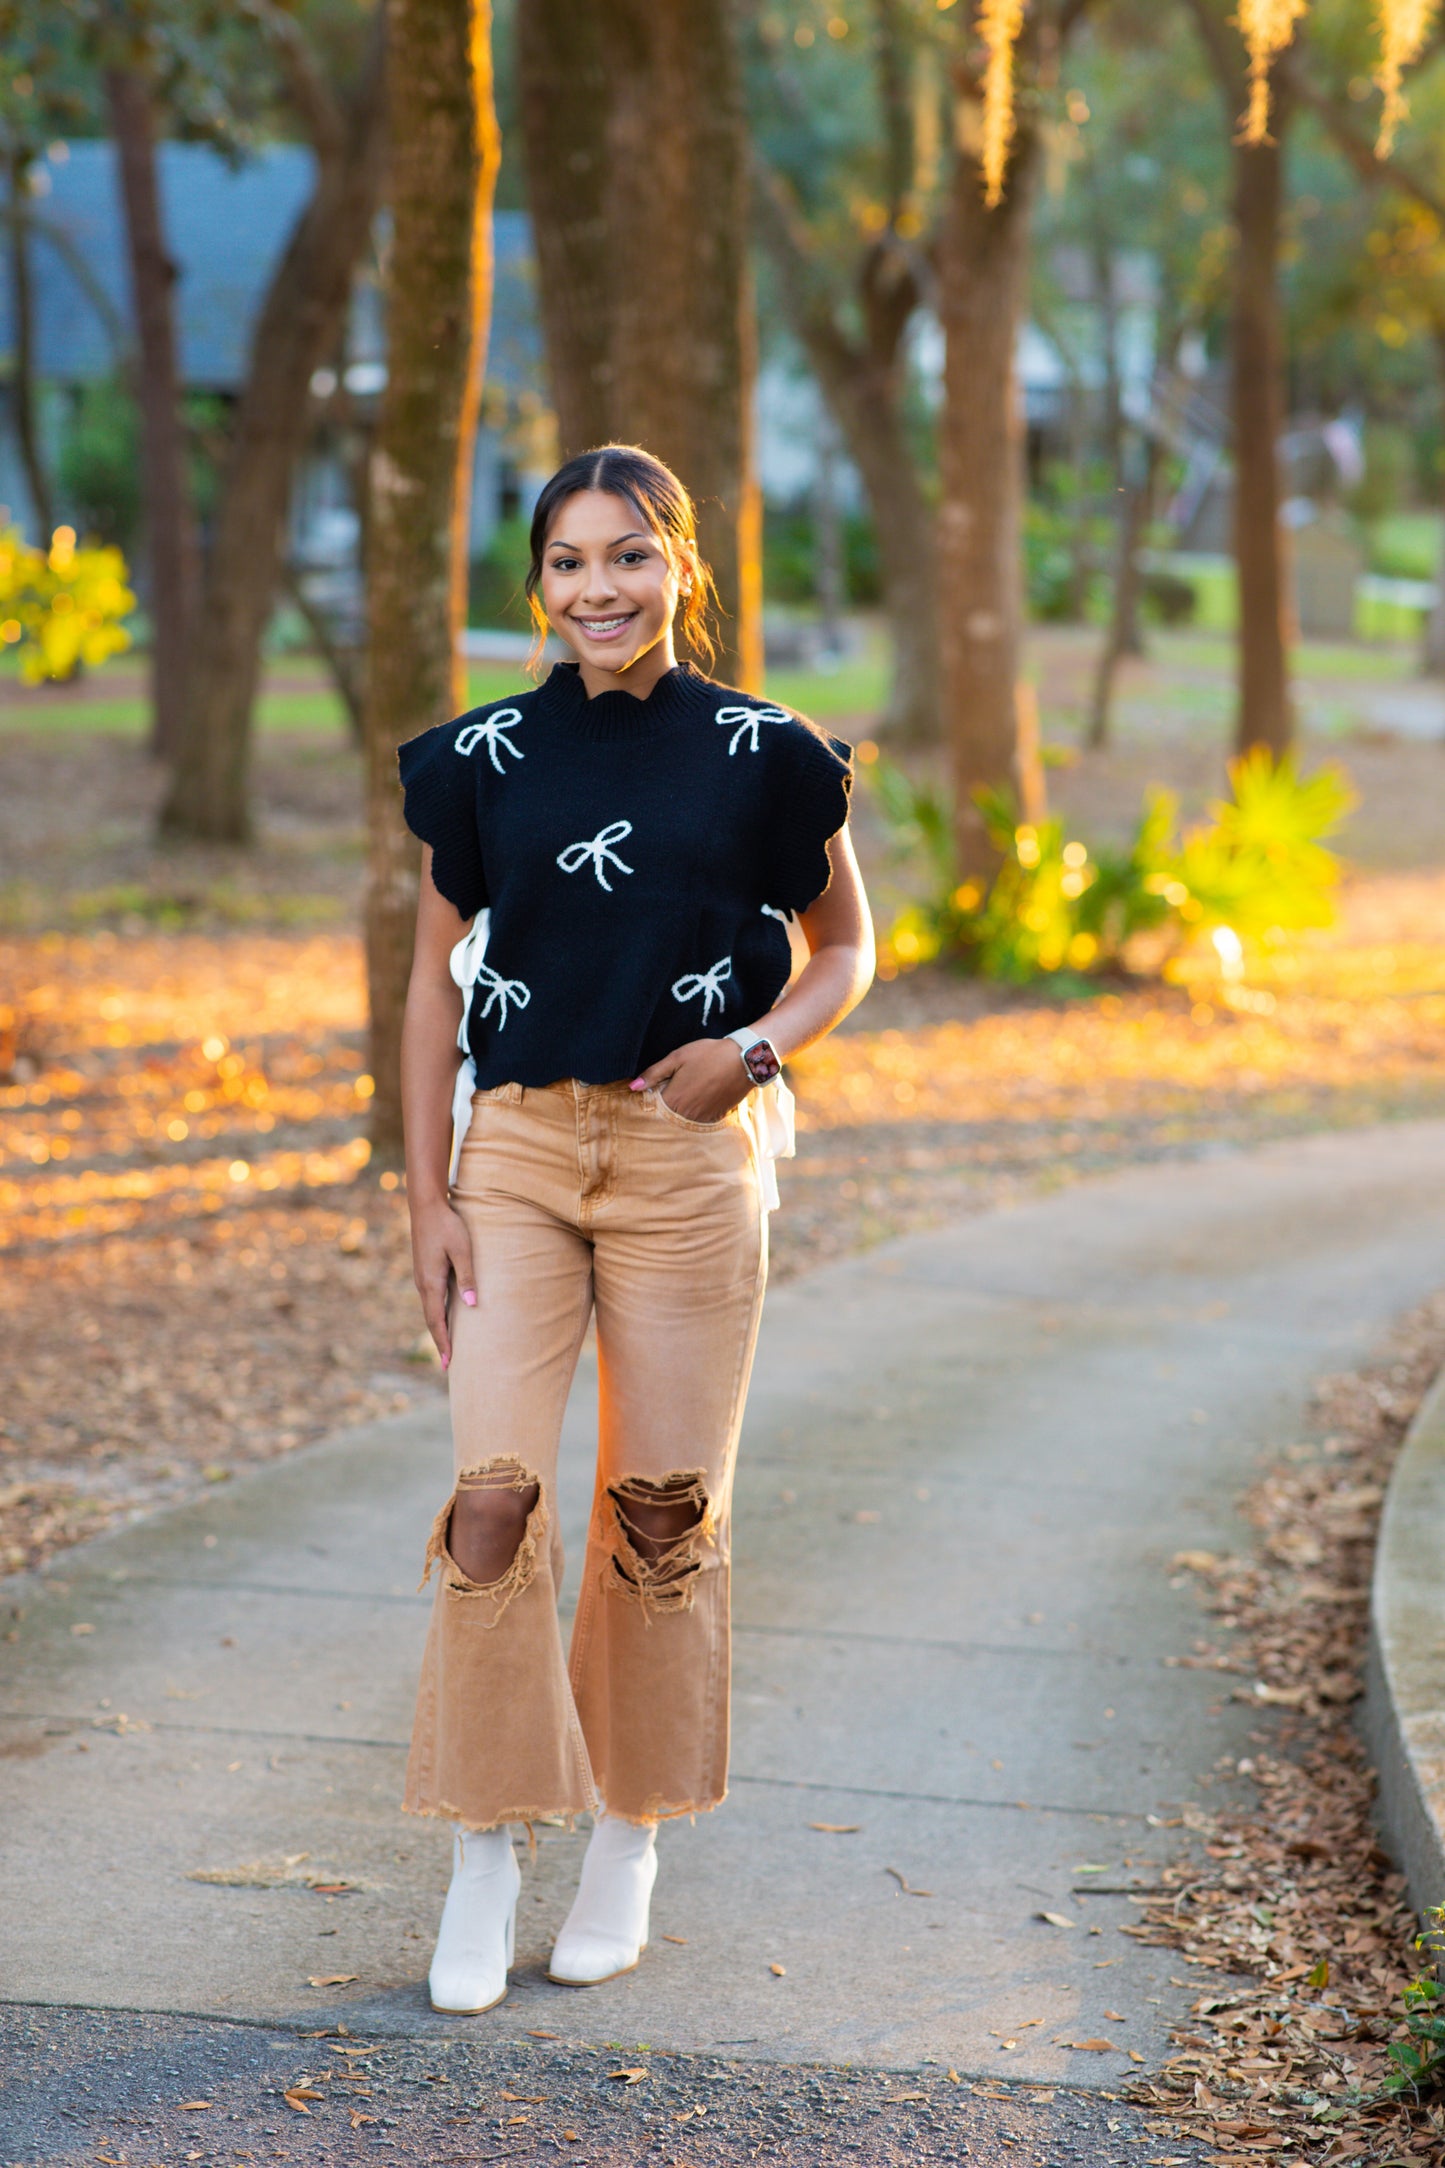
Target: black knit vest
point(638, 859)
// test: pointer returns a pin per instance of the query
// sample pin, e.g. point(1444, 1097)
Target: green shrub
point(99, 465)
point(1067, 549)
point(790, 558)
point(494, 586)
point(1256, 867)
point(1166, 599)
point(1419, 2058)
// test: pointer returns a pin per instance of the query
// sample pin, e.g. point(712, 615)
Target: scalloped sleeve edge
point(815, 809)
point(440, 809)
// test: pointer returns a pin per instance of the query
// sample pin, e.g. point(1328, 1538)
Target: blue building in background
point(227, 224)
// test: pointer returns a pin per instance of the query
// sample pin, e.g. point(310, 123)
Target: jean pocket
point(680, 1121)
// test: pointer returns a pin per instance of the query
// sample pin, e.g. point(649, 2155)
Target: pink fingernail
point(446, 1361)
point(469, 1297)
point(638, 1084)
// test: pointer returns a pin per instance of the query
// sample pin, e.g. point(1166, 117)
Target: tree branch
point(1360, 151)
point(307, 89)
point(1224, 58)
point(789, 243)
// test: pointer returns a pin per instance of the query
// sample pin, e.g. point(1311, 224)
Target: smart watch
point(760, 1056)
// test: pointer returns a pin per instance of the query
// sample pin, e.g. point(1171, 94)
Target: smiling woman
point(628, 840)
point(616, 570)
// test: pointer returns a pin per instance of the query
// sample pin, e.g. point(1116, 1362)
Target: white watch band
point(747, 1035)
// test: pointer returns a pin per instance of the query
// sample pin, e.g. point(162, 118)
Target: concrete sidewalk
point(968, 1460)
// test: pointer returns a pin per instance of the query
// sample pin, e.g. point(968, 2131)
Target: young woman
point(626, 843)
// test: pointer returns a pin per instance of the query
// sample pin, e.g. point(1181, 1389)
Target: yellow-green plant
point(61, 609)
point(1257, 866)
point(1418, 2058)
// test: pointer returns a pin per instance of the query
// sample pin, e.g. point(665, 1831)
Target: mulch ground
point(1294, 1904)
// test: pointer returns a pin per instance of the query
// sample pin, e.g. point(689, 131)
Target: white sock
point(606, 1930)
point(476, 1939)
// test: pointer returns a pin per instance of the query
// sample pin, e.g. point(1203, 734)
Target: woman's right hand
point(441, 1247)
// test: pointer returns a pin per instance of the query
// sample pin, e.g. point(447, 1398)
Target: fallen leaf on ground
point(357, 2118)
point(1116, 2017)
point(905, 1885)
point(183, 2105)
point(1092, 2047)
point(332, 1979)
point(298, 2097)
point(680, 1940)
point(528, 2100)
point(557, 2036)
point(1298, 1870)
point(837, 1829)
point(629, 2077)
point(1054, 1919)
point(780, 1970)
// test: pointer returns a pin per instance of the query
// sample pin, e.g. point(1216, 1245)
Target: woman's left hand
point(701, 1080)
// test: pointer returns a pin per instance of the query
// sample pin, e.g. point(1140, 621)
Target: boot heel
point(606, 1930)
point(478, 1930)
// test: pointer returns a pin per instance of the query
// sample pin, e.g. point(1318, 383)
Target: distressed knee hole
point(657, 1536)
point(487, 1536)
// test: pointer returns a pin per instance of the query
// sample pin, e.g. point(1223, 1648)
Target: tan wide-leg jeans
point(583, 1198)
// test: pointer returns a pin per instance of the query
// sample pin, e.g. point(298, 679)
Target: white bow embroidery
point(707, 983)
point(501, 991)
point(492, 733)
point(782, 917)
point(577, 855)
point(747, 720)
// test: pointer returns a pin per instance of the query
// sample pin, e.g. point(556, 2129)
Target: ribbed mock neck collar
point(678, 697)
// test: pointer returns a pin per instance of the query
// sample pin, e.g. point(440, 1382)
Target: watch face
point(762, 1063)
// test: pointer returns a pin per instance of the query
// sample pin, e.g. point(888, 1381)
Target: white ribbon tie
point(578, 855)
point(708, 984)
point(492, 733)
point(500, 991)
point(747, 721)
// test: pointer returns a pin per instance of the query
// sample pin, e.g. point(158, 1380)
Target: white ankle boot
point(606, 1930)
point(477, 1938)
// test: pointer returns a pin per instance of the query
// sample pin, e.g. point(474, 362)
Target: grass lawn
point(297, 695)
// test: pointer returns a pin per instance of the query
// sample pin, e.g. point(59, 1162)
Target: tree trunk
point(444, 162)
point(173, 543)
point(867, 405)
point(299, 325)
point(1257, 408)
point(862, 379)
point(22, 306)
point(983, 261)
point(830, 577)
point(1123, 636)
point(636, 157)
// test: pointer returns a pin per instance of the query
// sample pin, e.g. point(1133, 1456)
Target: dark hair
point(660, 501)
